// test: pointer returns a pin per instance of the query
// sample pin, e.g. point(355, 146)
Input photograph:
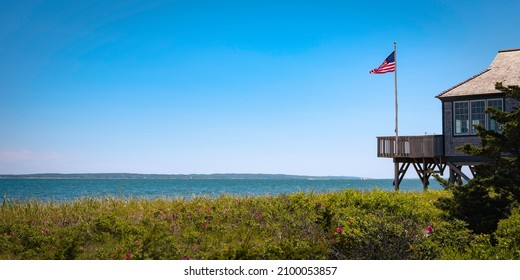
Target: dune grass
point(340, 225)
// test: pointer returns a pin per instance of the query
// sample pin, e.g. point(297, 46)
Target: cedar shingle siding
point(505, 68)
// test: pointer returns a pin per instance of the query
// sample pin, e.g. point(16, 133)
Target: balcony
point(428, 146)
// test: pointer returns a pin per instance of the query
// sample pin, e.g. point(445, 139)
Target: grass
point(340, 225)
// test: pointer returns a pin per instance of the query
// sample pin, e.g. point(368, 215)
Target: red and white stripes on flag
point(387, 66)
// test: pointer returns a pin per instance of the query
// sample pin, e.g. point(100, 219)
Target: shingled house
point(463, 107)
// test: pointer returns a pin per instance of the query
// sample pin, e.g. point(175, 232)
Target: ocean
point(20, 190)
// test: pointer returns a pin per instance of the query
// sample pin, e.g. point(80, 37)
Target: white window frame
point(470, 129)
point(455, 119)
point(488, 116)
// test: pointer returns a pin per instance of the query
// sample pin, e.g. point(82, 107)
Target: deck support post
point(425, 175)
point(424, 167)
point(396, 176)
point(399, 172)
point(456, 173)
point(423, 171)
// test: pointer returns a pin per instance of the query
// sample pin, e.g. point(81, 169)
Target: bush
point(480, 206)
point(380, 225)
point(508, 237)
point(341, 225)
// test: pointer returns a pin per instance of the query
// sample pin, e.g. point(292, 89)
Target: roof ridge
point(509, 50)
point(461, 83)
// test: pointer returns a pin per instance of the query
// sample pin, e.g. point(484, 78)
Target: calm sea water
point(70, 189)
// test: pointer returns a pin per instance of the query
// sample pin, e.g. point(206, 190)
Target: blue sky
point(230, 86)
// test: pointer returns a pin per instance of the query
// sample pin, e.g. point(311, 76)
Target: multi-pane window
point(495, 103)
point(467, 114)
point(461, 117)
point(478, 114)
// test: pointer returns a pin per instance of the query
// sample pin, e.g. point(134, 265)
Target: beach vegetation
point(339, 225)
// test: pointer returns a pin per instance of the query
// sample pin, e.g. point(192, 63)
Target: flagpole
point(396, 164)
point(396, 105)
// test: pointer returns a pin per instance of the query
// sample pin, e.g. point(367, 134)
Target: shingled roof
point(505, 68)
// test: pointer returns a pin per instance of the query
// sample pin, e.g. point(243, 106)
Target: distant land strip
point(237, 176)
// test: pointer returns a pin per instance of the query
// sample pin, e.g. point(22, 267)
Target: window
point(478, 114)
point(495, 103)
point(461, 117)
point(467, 114)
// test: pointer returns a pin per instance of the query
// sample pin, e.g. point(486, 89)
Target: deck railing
point(410, 146)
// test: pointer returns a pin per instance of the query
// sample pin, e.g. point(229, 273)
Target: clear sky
point(231, 86)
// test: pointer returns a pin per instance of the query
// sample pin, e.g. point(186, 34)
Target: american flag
point(387, 66)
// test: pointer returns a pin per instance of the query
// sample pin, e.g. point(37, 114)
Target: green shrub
point(508, 237)
point(340, 225)
point(452, 241)
point(380, 225)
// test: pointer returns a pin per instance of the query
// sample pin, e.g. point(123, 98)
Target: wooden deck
point(424, 153)
point(428, 146)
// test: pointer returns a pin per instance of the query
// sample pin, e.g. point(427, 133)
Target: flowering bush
point(341, 225)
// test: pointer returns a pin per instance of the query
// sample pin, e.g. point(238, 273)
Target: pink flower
point(428, 231)
point(186, 257)
point(319, 204)
point(137, 241)
point(128, 256)
point(45, 230)
point(206, 224)
point(339, 230)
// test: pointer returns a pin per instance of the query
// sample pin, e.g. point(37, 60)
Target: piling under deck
point(425, 154)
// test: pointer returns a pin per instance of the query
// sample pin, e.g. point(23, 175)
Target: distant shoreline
point(227, 176)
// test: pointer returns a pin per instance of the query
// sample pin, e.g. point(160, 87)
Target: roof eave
point(440, 95)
